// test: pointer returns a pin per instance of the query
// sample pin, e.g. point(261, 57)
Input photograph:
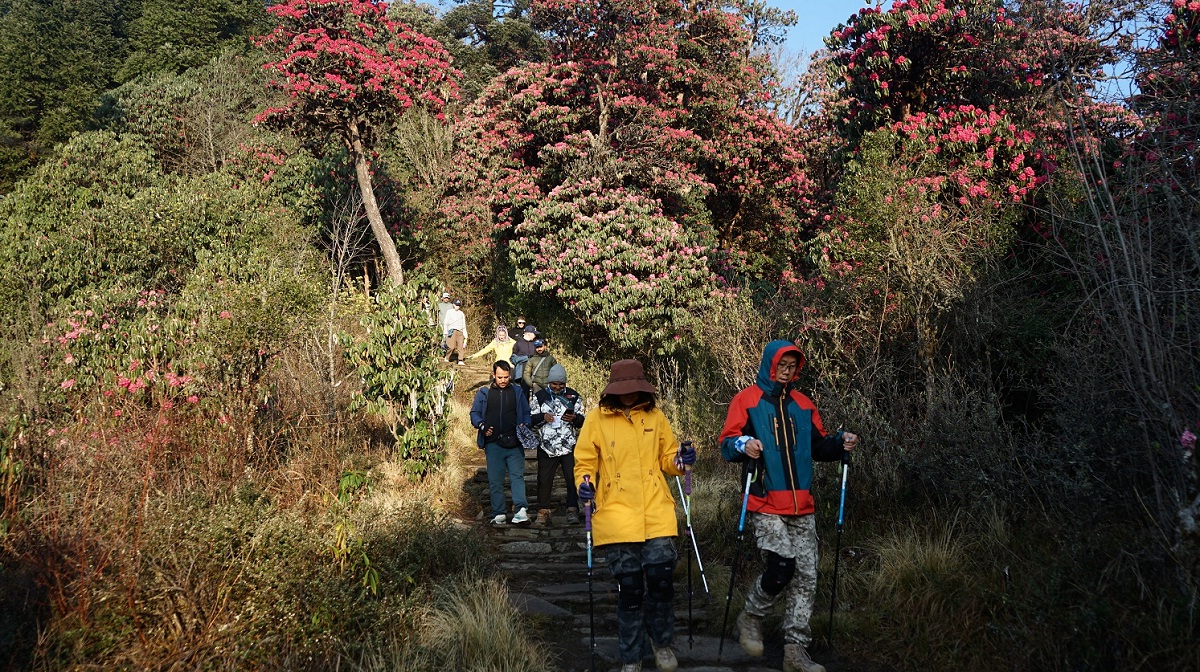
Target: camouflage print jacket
point(558, 437)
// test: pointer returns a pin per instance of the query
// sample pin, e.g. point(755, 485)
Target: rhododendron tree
point(349, 72)
point(924, 208)
point(921, 55)
point(964, 104)
point(616, 261)
point(660, 103)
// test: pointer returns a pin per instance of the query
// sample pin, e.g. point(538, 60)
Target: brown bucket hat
point(627, 376)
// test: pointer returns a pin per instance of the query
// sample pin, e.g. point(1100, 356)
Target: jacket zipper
point(790, 479)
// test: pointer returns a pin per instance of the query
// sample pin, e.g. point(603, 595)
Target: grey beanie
point(557, 374)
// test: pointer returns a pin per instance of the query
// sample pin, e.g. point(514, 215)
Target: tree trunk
point(362, 170)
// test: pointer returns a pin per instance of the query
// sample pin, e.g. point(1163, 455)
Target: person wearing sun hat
point(626, 449)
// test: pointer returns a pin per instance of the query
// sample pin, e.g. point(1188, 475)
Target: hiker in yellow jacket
point(625, 447)
point(502, 345)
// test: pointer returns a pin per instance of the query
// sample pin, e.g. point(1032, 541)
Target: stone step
point(702, 652)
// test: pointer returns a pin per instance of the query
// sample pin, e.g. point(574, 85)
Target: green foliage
point(403, 384)
point(917, 234)
point(487, 38)
point(56, 58)
point(195, 121)
point(142, 279)
point(171, 36)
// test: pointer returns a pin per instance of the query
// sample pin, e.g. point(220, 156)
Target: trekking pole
point(748, 470)
point(687, 513)
point(837, 553)
point(587, 518)
point(685, 491)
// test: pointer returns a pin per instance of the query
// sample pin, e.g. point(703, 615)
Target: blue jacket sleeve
point(478, 407)
point(522, 408)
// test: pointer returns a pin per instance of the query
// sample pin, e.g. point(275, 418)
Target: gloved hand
point(687, 454)
point(587, 493)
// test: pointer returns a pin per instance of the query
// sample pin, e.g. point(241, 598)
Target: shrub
point(473, 627)
point(403, 383)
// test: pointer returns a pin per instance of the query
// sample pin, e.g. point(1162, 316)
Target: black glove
point(687, 454)
point(587, 492)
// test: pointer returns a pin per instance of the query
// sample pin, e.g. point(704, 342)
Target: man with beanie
point(778, 431)
point(557, 416)
point(495, 414)
point(538, 367)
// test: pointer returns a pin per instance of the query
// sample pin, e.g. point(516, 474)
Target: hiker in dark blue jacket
point(496, 412)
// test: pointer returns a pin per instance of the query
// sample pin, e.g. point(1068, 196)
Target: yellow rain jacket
point(626, 454)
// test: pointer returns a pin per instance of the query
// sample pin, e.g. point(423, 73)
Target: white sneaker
point(461, 363)
point(521, 518)
point(664, 659)
point(499, 520)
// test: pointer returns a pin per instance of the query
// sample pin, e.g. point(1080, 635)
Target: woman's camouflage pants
point(789, 537)
point(656, 615)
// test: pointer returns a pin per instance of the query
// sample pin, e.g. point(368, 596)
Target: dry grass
point(474, 628)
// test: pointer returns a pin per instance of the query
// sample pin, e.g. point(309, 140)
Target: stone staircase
point(547, 574)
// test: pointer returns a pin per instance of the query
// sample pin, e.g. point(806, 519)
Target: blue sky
point(816, 19)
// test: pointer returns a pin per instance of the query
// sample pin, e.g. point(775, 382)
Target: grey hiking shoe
point(795, 659)
point(632, 667)
point(572, 516)
point(750, 634)
point(664, 659)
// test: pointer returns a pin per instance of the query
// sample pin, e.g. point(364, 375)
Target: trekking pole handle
point(587, 509)
point(842, 503)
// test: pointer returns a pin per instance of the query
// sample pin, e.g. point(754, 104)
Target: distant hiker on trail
point(455, 329)
point(495, 413)
point(537, 369)
point(779, 429)
point(502, 345)
point(522, 351)
point(443, 307)
point(557, 415)
point(624, 449)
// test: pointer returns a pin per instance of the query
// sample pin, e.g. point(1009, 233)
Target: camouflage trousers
point(790, 537)
point(645, 594)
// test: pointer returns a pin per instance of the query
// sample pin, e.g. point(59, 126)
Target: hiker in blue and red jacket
point(779, 428)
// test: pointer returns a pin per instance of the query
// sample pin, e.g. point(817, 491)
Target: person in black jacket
point(557, 415)
point(523, 349)
point(495, 414)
